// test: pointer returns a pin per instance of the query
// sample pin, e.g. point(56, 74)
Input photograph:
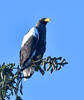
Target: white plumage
point(32, 32)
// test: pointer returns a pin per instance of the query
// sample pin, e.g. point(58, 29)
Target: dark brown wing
point(27, 50)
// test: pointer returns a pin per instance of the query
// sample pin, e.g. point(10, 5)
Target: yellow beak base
point(47, 20)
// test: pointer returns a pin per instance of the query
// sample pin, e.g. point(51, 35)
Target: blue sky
point(65, 37)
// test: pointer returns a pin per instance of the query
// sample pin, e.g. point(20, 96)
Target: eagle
point(33, 46)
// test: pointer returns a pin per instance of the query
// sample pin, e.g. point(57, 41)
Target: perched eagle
point(33, 45)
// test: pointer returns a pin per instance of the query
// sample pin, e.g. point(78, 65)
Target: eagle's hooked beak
point(47, 20)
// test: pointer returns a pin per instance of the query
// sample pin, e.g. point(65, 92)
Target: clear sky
point(65, 37)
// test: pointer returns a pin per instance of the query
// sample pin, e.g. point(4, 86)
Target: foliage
point(10, 81)
point(11, 76)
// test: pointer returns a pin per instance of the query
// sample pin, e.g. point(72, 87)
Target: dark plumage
point(33, 45)
point(27, 50)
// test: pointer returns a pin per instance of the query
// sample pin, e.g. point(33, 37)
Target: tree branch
point(11, 76)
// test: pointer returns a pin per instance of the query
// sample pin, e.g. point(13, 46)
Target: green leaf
point(18, 98)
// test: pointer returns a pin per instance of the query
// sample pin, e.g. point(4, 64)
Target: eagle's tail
point(28, 72)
